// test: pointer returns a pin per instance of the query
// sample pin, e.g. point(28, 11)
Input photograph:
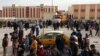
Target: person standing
point(37, 29)
point(26, 25)
point(5, 44)
point(14, 40)
point(85, 52)
point(74, 48)
point(97, 29)
point(15, 26)
point(33, 29)
point(20, 25)
point(31, 38)
point(21, 49)
point(93, 51)
point(66, 51)
point(90, 30)
point(74, 32)
point(60, 43)
point(86, 41)
point(79, 35)
point(20, 34)
point(27, 43)
point(34, 47)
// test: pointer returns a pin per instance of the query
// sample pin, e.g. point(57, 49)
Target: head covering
point(74, 39)
point(41, 46)
point(74, 30)
point(76, 43)
point(6, 34)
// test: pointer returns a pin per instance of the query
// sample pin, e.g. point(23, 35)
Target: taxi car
point(49, 38)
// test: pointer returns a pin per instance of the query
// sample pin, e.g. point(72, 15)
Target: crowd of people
point(31, 44)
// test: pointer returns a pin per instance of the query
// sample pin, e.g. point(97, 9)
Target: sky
point(62, 4)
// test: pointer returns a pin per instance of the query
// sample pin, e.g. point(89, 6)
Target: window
point(33, 12)
point(48, 35)
point(13, 12)
point(98, 10)
point(56, 9)
point(27, 12)
point(23, 12)
point(75, 17)
point(49, 10)
point(0, 13)
point(82, 10)
point(82, 17)
point(41, 8)
point(92, 10)
point(46, 9)
point(17, 12)
point(13, 9)
point(98, 17)
point(39, 13)
point(9, 12)
point(20, 12)
point(30, 13)
point(6, 12)
point(75, 10)
point(52, 9)
point(52, 35)
point(91, 17)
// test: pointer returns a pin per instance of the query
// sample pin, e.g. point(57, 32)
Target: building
point(85, 11)
point(0, 13)
point(28, 12)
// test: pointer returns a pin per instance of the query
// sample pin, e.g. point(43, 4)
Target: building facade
point(29, 12)
point(0, 13)
point(85, 11)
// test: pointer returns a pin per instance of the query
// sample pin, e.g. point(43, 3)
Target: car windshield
point(52, 35)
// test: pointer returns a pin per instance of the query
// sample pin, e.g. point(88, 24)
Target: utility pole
point(52, 3)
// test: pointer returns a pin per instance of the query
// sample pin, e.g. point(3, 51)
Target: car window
point(48, 35)
point(57, 35)
point(52, 35)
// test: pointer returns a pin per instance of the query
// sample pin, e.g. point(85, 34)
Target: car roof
point(61, 32)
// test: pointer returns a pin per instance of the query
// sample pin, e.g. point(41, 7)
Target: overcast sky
point(62, 4)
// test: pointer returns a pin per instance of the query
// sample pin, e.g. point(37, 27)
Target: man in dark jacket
point(5, 44)
point(79, 35)
point(93, 51)
point(26, 25)
point(21, 49)
point(74, 49)
point(15, 26)
point(85, 52)
point(97, 29)
point(60, 43)
point(33, 29)
point(20, 34)
point(37, 28)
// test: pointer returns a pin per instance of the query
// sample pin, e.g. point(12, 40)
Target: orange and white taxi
point(49, 38)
